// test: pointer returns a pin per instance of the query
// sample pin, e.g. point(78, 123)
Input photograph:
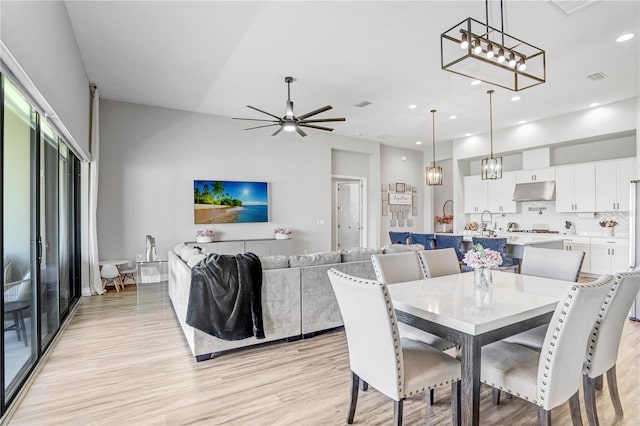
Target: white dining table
point(453, 308)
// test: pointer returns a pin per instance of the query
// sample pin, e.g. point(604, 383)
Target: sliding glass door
point(19, 344)
point(40, 237)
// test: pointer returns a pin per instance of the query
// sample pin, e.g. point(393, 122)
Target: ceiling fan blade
point(256, 119)
point(264, 112)
point(299, 130)
point(277, 131)
point(322, 120)
point(259, 127)
point(316, 127)
point(314, 112)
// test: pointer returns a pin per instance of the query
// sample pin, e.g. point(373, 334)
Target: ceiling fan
point(290, 122)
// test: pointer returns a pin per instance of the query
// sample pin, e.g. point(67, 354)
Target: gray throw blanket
point(226, 296)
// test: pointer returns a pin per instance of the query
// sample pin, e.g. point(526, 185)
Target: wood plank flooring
point(123, 360)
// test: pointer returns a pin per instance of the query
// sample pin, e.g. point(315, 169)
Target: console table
point(261, 247)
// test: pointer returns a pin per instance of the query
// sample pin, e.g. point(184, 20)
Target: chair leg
point(612, 381)
point(432, 396)
point(455, 403)
point(495, 393)
point(589, 386)
point(544, 417)
point(574, 406)
point(397, 412)
point(364, 386)
point(355, 383)
point(599, 384)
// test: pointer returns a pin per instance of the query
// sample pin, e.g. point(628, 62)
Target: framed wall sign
point(400, 198)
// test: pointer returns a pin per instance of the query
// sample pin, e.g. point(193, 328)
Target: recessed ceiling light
point(413, 106)
point(419, 143)
point(468, 134)
point(475, 82)
point(595, 104)
point(452, 117)
point(522, 121)
point(515, 98)
point(625, 37)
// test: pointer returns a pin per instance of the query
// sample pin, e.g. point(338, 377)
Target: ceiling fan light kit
point(289, 122)
point(524, 67)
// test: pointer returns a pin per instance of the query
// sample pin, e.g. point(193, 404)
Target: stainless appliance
point(535, 191)
point(634, 239)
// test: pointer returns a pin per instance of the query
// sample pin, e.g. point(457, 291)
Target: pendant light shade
point(434, 173)
point(491, 166)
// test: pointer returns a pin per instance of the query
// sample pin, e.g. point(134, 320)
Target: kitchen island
point(517, 243)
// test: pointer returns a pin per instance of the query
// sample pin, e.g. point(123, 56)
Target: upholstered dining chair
point(110, 272)
point(551, 263)
point(551, 377)
point(498, 244)
point(397, 367)
point(436, 263)
point(399, 237)
point(450, 241)
point(604, 342)
point(427, 240)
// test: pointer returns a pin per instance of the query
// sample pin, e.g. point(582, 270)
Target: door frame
point(364, 225)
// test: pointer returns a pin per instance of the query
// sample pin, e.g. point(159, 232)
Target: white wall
point(394, 169)
point(40, 37)
point(150, 157)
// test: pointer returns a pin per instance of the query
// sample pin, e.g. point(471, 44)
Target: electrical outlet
point(320, 221)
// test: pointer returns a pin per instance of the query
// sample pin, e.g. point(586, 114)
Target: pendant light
point(491, 166)
point(434, 173)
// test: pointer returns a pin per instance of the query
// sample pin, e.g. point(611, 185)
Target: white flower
point(479, 257)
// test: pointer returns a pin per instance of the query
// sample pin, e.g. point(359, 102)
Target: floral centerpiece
point(444, 221)
point(282, 233)
point(204, 235)
point(482, 260)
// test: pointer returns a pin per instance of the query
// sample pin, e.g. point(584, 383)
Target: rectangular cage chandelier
point(476, 50)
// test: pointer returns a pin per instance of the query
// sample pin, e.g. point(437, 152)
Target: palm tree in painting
point(218, 189)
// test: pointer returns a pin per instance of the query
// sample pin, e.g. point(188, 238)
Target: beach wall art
point(223, 201)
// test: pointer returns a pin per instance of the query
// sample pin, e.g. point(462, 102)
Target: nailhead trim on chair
point(396, 341)
point(596, 328)
point(556, 332)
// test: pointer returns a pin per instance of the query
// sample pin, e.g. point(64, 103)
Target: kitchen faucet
point(486, 223)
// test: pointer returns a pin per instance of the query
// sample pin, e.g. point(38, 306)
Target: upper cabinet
point(500, 194)
point(475, 194)
point(493, 195)
point(540, 175)
point(612, 184)
point(575, 188)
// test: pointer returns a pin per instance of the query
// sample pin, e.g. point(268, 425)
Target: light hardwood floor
point(123, 360)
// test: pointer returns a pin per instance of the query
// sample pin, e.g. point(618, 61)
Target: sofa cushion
point(179, 248)
point(195, 259)
point(188, 253)
point(274, 262)
point(400, 248)
point(322, 258)
point(358, 253)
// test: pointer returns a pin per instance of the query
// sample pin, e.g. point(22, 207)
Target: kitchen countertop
point(527, 240)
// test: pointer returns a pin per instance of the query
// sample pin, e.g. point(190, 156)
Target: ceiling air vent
point(597, 76)
point(569, 7)
point(384, 136)
point(363, 104)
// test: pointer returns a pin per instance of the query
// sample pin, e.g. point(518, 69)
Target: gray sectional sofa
point(297, 298)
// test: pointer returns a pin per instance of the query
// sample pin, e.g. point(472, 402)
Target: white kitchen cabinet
point(612, 184)
point(575, 188)
point(580, 244)
point(500, 194)
point(539, 175)
point(609, 255)
point(475, 194)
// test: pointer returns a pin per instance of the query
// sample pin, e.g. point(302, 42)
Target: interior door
point(349, 204)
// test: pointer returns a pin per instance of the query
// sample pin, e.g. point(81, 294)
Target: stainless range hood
point(535, 191)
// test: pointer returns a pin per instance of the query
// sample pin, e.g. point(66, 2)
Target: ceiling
point(217, 57)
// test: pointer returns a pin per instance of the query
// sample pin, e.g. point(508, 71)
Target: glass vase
point(482, 277)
